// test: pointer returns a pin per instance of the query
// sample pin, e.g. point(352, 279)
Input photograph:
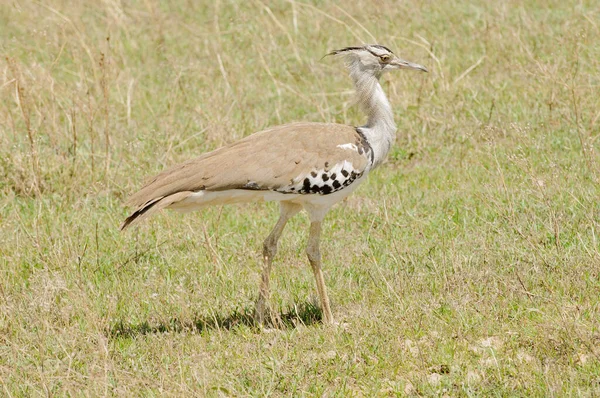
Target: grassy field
point(467, 265)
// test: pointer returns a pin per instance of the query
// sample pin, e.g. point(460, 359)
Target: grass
point(467, 265)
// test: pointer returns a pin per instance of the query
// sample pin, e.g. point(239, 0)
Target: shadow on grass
point(305, 313)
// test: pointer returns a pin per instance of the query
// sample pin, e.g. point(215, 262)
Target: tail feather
point(152, 206)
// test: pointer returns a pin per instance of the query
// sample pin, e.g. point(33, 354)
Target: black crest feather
point(354, 48)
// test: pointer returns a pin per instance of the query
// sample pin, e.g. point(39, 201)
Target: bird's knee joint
point(313, 254)
point(269, 248)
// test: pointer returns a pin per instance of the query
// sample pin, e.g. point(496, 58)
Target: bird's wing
point(286, 158)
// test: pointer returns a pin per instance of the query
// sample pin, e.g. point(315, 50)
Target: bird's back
point(299, 158)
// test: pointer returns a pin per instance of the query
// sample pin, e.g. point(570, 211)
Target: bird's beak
point(402, 64)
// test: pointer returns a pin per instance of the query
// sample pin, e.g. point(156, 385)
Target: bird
point(302, 165)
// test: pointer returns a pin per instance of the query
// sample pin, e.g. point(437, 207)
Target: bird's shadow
point(305, 313)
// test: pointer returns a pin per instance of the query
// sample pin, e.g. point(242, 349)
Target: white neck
point(380, 129)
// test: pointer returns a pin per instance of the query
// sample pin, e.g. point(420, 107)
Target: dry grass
point(469, 264)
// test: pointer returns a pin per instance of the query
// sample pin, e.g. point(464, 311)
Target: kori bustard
point(309, 166)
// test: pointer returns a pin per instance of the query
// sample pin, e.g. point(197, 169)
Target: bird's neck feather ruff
point(380, 129)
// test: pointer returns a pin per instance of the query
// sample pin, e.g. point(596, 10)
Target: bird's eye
point(384, 58)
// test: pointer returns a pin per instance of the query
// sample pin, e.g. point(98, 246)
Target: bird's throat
point(380, 129)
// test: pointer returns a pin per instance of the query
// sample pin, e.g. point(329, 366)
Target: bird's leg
point(314, 257)
point(288, 210)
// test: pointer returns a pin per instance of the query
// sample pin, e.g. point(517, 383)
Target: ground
point(466, 265)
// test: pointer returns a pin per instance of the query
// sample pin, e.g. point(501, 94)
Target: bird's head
point(374, 59)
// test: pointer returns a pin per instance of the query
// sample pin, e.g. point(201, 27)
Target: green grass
point(467, 265)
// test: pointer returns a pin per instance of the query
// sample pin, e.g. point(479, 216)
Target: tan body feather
point(268, 160)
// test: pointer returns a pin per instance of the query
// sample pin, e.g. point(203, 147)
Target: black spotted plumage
point(325, 182)
point(335, 177)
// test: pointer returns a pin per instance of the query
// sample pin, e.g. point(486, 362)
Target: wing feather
point(267, 160)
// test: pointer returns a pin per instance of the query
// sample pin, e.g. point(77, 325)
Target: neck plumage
point(380, 129)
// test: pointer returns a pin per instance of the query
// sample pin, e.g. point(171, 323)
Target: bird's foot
point(264, 317)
